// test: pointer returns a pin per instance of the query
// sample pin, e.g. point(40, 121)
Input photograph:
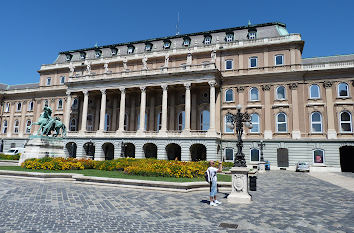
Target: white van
point(15, 151)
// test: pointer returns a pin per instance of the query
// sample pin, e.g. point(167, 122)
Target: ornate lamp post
point(238, 120)
point(261, 162)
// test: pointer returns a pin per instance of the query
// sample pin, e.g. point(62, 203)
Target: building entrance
point(347, 158)
point(283, 157)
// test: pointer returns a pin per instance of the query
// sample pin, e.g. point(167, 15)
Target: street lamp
point(122, 148)
point(261, 146)
point(237, 120)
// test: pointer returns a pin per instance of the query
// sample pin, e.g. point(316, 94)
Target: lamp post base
point(239, 193)
point(261, 166)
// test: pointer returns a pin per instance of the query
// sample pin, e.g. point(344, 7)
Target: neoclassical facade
point(168, 97)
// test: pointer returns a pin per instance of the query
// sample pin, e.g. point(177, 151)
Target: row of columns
point(143, 109)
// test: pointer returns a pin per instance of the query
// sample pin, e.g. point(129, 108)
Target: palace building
point(167, 98)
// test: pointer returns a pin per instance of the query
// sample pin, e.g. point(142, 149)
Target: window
point(255, 123)
point(252, 35)
point(314, 91)
point(204, 120)
point(68, 57)
point(82, 55)
point(4, 126)
point(62, 79)
point(343, 90)
point(107, 122)
point(148, 47)
point(73, 125)
point(280, 93)
point(30, 106)
point(186, 41)
point(345, 121)
point(130, 49)
point(98, 53)
point(114, 51)
point(316, 122)
point(229, 95)
point(49, 80)
point(281, 123)
point(255, 155)
point(254, 94)
point(229, 154)
point(18, 107)
point(229, 64)
point(279, 60)
point(229, 37)
point(207, 39)
point(227, 129)
point(75, 104)
point(16, 126)
point(253, 62)
point(159, 116)
point(7, 107)
point(28, 124)
point(89, 124)
point(166, 44)
point(125, 122)
point(145, 122)
point(318, 156)
point(181, 120)
point(60, 104)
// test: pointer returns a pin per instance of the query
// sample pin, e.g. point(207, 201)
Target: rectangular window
point(254, 155)
point(279, 60)
point(252, 35)
point(318, 157)
point(49, 80)
point(229, 154)
point(228, 64)
point(253, 62)
point(62, 79)
point(7, 107)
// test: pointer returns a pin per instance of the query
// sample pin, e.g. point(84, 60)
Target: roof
point(336, 58)
point(6, 87)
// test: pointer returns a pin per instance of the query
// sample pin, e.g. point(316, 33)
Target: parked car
point(15, 151)
point(267, 165)
point(302, 167)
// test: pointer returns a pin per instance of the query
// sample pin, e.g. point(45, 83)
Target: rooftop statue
point(47, 124)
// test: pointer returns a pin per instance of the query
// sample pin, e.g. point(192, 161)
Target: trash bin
point(267, 165)
point(253, 183)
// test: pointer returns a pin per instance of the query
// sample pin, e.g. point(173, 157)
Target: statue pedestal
point(42, 146)
point(261, 167)
point(239, 193)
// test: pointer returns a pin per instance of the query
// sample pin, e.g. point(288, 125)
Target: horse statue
point(43, 119)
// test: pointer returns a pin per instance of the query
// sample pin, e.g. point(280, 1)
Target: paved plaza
point(284, 202)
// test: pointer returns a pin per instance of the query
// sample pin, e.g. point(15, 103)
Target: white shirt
point(212, 174)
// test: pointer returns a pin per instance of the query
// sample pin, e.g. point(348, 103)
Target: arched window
point(255, 123)
point(229, 95)
point(254, 94)
point(255, 155)
point(280, 93)
point(18, 107)
point(4, 126)
point(343, 90)
point(181, 120)
point(318, 156)
point(204, 120)
point(30, 106)
point(314, 91)
point(28, 124)
point(16, 126)
point(75, 104)
point(73, 125)
point(316, 122)
point(107, 122)
point(345, 121)
point(125, 122)
point(60, 104)
point(158, 122)
point(227, 129)
point(281, 122)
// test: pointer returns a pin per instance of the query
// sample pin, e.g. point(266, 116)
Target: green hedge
point(10, 157)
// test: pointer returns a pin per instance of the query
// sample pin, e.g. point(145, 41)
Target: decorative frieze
point(240, 89)
point(266, 87)
point(327, 84)
point(292, 86)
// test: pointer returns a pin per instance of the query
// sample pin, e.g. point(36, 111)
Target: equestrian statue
point(47, 124)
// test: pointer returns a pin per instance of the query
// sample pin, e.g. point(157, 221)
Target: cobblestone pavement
point(284, 202)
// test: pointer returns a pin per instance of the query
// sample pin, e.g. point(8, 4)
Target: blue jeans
point(213, 188)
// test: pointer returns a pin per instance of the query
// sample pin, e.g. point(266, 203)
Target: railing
point(328, 65)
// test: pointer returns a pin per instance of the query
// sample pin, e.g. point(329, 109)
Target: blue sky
point(34, 32)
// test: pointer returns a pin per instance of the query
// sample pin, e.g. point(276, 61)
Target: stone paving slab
point(284, 202)
point(343, 180)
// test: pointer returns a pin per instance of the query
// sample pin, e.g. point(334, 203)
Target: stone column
point(296, 134)
point(152, 112)
point(194, 111)
point(84, 112)
point(96, 118)
point(267, 116)
point(10, 123)
point(23, 120)
point(103, 110)
point(212, 106)
point(131, 125)
point(172, 110)
point(114, 113)
point(187, 105)
point(331, 130)
point(164, 109)
point(121, 110)
point(142, 109)
point(67, 110)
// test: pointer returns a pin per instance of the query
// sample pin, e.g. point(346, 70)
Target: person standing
point(212, 171)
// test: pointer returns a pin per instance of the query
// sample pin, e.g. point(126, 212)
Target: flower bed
point(10, 157)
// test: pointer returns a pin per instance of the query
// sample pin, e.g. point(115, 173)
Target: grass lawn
point(116, 174)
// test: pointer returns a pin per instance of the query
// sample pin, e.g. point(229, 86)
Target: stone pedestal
point(42, 146)
point(239, 193)
point(261, 167)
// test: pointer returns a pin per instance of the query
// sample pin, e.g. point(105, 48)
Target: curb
point(145, 184)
